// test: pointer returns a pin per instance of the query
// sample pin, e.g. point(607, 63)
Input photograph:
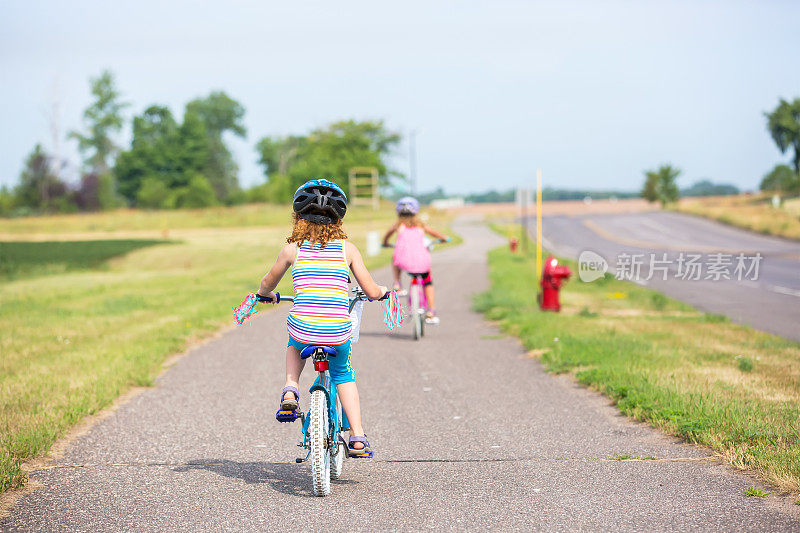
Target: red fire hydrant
point(513, 243)
point(553, 275)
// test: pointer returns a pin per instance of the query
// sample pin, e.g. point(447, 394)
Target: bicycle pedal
point(287, 416)
point(367, 455)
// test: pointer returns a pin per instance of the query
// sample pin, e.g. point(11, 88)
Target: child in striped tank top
point(321, 258)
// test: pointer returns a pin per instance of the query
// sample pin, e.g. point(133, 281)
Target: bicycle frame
point(337, 421)
point(416, 284)
point(337, 418)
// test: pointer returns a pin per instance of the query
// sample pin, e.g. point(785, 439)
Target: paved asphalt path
point(468, 434)
point(770, 303)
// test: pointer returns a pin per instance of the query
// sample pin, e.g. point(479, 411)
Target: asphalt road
point(468, 434)
point(769, 301)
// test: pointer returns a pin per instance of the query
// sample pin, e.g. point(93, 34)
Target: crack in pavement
point(468, 460)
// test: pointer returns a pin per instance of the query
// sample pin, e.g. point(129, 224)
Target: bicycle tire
point(414, 297)
point(317, 437)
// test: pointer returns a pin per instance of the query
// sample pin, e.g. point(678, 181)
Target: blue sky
point(591, 92)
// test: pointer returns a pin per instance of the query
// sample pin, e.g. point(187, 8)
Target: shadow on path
point(286, 478)
point(388, 337)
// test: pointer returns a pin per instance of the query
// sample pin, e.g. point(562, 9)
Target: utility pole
point(412, 161)
point(55, 129)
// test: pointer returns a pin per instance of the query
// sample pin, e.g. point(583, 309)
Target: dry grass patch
point(752, 212)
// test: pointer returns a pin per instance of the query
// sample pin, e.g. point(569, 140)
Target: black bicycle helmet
point(320, 202)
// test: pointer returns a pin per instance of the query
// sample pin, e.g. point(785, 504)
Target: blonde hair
point(409, 220)
point(304, 230)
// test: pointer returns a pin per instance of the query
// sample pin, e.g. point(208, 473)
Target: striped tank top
point(320, 314)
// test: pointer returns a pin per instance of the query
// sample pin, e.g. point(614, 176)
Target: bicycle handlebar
point(279, 298)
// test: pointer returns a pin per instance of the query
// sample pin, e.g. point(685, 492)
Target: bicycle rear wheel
point(317, 436)
point(416, 316)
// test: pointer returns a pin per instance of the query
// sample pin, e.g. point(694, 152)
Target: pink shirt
point(410, 252)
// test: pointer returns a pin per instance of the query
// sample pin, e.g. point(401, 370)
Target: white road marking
point(784, 290)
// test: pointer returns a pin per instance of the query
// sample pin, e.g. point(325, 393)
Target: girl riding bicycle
point(320, 256)
point(411, 252)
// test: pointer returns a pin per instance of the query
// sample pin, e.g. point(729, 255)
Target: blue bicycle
point(325, 421)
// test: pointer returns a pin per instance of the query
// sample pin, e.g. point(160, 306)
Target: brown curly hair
point(304, 230)
point(410, 220)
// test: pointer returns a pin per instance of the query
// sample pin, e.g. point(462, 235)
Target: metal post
point(539, 222)
point(524, 193)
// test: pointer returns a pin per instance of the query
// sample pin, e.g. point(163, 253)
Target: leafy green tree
point(219, 113)
point(102, 119)
point(708, 188)
point(154, 133)
point(660, 185)
point(650, 188)
point(7, 201)
point(164, 151)
point(784, 127)
point(153, 193)
point(198, 192)
point(781, 179)
point(39, 187)
point(326, 153)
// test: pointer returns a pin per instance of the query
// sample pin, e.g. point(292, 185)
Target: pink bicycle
point(417, 302)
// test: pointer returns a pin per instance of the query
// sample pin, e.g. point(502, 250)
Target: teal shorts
point(339, 366)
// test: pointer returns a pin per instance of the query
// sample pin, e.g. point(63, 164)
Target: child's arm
point(282, 263)
point(362, 275)
point(433, 233)
point(390, 233)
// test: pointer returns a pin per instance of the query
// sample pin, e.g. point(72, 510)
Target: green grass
point(29, 259)
point(662, 362)
point(626, 457)
point(76, 338)
point(757, 492)
point(745, 364)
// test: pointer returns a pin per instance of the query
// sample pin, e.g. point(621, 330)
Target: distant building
point(448, 203)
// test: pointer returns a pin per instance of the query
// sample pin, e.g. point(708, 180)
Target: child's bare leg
point(294, 367)
point(348, 395)
point(429, 295)
point(396, 270)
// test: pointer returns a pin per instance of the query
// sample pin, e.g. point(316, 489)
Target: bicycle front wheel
point(318, 436)
point(338, 451)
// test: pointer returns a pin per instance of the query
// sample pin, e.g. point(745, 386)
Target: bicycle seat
point(308, 351)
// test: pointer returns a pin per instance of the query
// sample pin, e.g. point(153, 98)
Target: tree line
point(783, 124)
point(172, 163)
